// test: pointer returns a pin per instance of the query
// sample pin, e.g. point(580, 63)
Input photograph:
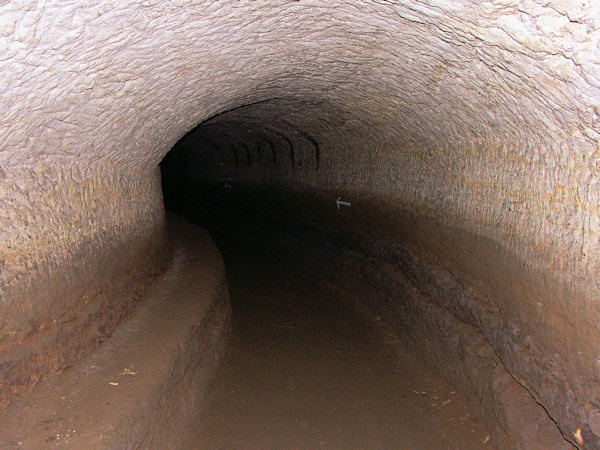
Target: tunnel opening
point(445, 152)
point(430, 282)
point(307, 365)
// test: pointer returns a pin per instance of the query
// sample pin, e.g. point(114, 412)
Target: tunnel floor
point(308, 367)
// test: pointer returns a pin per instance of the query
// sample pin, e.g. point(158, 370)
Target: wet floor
point(307, 367)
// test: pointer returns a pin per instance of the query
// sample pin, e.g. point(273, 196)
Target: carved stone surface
point(484, 116)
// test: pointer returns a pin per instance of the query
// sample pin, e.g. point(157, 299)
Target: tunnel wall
point(493, 256)
point(443, 316)
point(498, 231)
point(79, 247)
point(482, 117)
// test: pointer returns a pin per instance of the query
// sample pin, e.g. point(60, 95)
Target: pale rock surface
point(485, 115)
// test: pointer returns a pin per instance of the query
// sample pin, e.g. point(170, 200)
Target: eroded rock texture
point(480, 117)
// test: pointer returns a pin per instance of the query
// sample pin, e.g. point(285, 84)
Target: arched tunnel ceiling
point(449, 93)
point(434, 72)
point(485, 115)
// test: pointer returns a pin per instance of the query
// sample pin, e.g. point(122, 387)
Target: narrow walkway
point(143, 386)
point(306, 369)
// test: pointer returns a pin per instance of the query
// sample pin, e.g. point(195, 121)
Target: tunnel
point(443, 152)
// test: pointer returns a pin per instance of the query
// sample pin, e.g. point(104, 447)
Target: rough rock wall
point(531, 297)
point(79, 245)
point(483, 115)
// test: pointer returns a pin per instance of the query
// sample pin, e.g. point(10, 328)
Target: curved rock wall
point(79, 246)
point(482, 117)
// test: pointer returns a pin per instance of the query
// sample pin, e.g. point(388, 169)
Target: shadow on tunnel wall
point(434, 281)
point(464, 134)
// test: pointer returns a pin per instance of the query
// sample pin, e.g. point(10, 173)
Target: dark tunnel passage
point(226, 176)
point(308, 365)
point(438, 157)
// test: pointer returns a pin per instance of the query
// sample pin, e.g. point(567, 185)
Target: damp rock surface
point(448, 330)
point(310, 366)
point(145, 383)
point(483, 117)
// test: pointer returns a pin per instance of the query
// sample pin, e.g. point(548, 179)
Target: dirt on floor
point(309, 367)
point(144, 386)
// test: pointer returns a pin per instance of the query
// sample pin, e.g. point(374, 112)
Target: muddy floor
point(308, 367)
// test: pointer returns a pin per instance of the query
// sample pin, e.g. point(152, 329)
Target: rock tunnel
point(463, 136)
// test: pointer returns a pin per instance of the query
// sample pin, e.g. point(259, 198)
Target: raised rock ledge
point(145, 384)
